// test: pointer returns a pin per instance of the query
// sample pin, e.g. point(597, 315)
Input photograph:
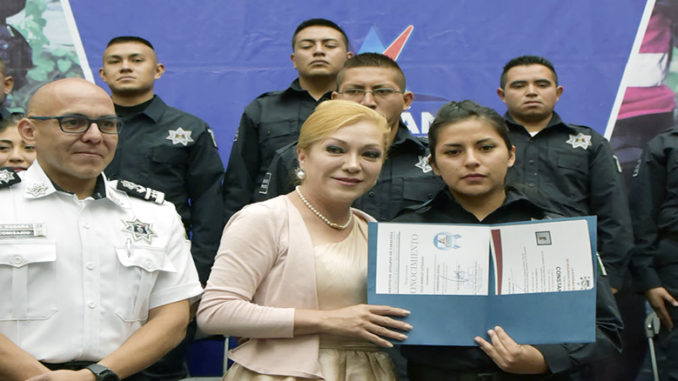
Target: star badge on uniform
point(180, 136)
point(579, 141)
point(6, 176)
point(140, 230)
point(37, 189)
point(424, 164)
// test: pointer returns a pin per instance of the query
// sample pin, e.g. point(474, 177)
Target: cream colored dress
point(341, 281)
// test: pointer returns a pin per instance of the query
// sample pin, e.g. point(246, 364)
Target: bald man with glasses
point(95, 283)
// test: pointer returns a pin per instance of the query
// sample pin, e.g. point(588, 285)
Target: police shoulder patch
point(8, 177)
point(140, 191)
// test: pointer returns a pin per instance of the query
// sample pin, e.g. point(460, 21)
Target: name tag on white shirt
point(29, 230)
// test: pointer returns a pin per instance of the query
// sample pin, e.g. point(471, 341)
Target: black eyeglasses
point(382, 92)
point(78, 124)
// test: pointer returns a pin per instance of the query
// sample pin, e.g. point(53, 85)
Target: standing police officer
point(169, 150)
point(273, 120)
point(163, 147)
point(570, 166)
point(654, 262)
point(94, 284)
point(572, 169)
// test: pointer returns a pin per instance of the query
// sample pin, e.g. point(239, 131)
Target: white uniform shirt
point(83, 282)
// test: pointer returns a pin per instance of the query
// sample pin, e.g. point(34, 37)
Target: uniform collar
point(116, 196)
point(555, 122)
point(514, 199)
point(295, 88)
point(39, 185)
point(154, 110)
point(404, 137)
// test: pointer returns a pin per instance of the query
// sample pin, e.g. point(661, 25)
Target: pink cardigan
point(263, 271)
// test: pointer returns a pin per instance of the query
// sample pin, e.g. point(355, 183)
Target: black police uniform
point(406, 178)
point(654, 207)
point(172, 151)
point(572, 167)
point(432, 363)
point(269, 122)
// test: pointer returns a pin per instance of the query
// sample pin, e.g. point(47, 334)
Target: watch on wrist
point(102, 373)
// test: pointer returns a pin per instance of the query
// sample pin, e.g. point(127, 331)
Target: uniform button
point(91, 305)
point(90, 266)
point(17, 260)
point(85, 226)
point(531, 185)
point(148, 265)
point(531, 161)
point(371, 194)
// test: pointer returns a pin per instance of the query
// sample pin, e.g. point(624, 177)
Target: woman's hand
point(364, 321)
point(510, 356)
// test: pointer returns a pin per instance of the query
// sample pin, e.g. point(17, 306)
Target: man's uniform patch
point(8, 177)
point(140, 230)
point(424, 164)
point(140, 191)
point(579, 141)
point(180, 136)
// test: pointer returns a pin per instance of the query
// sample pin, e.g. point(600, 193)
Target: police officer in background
point(654, 262)
point(571, 167)
point(163, 147)
point(376, 81)
point(273, 120)
point(94, 283)
point(169, 150)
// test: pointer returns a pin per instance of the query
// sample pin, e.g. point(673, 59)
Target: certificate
point(433, 259)
point(536, 279)
point(543, 257)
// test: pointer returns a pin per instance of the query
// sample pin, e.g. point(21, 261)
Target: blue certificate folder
point(538, 318)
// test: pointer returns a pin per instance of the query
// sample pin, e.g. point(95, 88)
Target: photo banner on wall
point(219, 55)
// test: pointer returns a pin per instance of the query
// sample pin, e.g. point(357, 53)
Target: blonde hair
point(331, 115)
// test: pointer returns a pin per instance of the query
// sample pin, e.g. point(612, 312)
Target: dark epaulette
point(269, 93)
point(423, 139)
point(140, 191)
point(418, 208)
point(8, 177)
point(578, 126)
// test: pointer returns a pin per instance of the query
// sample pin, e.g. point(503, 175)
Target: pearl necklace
point(320, 215)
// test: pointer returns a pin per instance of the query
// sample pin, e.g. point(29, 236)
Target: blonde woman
point(290, 272)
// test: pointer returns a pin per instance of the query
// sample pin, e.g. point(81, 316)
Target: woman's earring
point(300, 174)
